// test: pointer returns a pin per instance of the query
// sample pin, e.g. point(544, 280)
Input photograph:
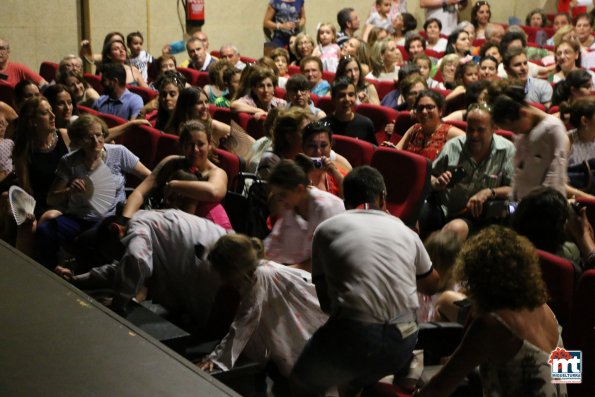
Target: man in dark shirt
point(344, 121)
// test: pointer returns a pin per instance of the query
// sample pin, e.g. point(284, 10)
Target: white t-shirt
point(370, 261)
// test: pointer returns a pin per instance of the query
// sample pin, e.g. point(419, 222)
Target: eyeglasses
point(93, 138)
point(421, 108)
point(4, 48)
point(480, 106)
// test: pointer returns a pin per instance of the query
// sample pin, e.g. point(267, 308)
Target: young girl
point(380, 18)
point(139, 57)
point(327, 49)
point(425, 69)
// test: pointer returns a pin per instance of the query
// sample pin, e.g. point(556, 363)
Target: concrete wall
point(39, 30)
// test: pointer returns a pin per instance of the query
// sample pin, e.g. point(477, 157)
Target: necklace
point(49, 146)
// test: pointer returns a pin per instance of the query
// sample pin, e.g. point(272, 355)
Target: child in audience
point(380, 18)
point(425, 68)
point(139, 57)
point(327, 49)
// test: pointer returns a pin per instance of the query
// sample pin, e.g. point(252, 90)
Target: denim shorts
point(346, 352)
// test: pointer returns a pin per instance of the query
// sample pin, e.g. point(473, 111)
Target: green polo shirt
point(495, 171)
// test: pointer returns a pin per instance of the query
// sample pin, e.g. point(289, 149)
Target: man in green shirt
point(470, 171)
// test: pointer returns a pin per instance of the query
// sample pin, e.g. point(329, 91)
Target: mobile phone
point(3, 76)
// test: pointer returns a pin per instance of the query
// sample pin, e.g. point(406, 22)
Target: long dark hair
point(183, 112)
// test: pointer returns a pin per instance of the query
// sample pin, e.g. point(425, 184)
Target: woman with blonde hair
point(385, 61)
point(278, 311)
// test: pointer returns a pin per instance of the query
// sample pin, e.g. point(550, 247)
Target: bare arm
point(429, 283)
point(212, 191)
point(240, 106)
point(140, 171)
point(268, 23)
point(405, 139)
point(116, 131)
point(138, 77)
point(61, 189)
point(372, 95)
point(454, 132)
point(142, 191)
point(92, 94)
point(472, 352)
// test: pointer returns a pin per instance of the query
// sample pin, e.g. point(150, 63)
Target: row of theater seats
point(407, 174)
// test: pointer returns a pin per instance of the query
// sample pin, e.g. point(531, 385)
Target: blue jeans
point(57, 232)
point(347, 352)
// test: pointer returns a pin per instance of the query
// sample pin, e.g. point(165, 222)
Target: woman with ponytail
point(578, 84)
point(278, 310)
point(541, 143)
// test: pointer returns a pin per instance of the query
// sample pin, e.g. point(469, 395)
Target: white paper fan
point(21, 203)
point(102, 188)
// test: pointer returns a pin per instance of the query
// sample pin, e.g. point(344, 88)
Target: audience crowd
point(332, 285)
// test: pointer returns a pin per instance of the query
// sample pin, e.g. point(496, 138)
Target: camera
point(457, 176)
point(317, 161)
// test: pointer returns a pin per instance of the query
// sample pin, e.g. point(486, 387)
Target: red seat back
point(506, 134)
point(48, 70)
point(356, 151)
point(293, 69)
point(167, 146)
point(434, 54)
point(111, 120)
point(538, 106)
point(220, 114)
point(194, 77)
point(84, 109)
point(94, 81)
point(254, 127)
point(247, 59)
point(383, 87)
point(328, 76)
point(280, 92)
point(326, 104)
point(403, 53)
point(380, 116)
point(142, 140)
point(407, 178)
point(146, 93)
point(580, 332)
point(230, 163)
point(457, 123)
point(558, 274)
point(404, 121)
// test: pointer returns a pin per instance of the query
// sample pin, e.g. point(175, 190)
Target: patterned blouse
point(427, 147)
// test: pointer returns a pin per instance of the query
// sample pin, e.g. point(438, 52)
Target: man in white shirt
point(232, 54)
point(367, 266)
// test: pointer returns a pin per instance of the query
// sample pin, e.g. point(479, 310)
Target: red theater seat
point(558, 274)
point(356, 151)
point(407, 178)
point(380, 116)
point(48, 70)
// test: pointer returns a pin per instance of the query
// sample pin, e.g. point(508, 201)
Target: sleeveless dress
point(526, 374)
point(429, 147)
point(42, 169)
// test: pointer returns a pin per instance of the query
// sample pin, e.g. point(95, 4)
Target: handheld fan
point(21, 203)
point(239, 142)
point(101, 189)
